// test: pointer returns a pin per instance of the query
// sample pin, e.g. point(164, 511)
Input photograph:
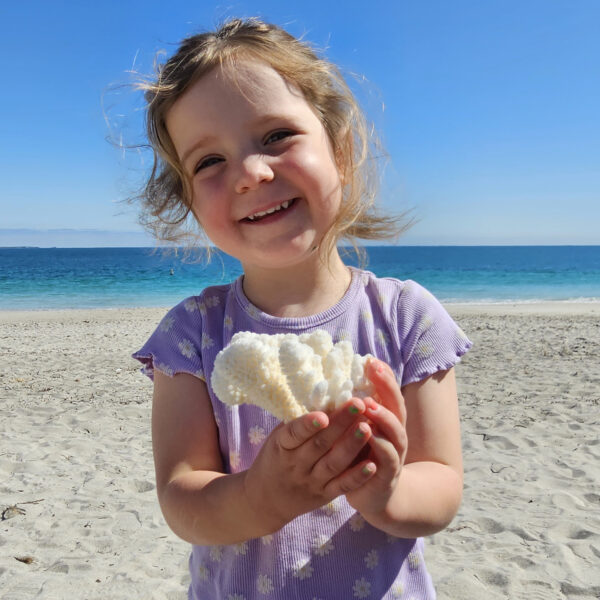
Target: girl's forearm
point(208, 508)
point(425, 500)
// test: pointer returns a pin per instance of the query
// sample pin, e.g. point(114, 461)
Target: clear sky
point(489, 110)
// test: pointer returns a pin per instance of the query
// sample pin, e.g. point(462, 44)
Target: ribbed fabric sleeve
point(175, 345)
point(431, 340)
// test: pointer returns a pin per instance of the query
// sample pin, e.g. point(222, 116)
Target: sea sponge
point(289, 375)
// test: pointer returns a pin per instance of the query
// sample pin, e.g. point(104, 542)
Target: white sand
point(75, 457)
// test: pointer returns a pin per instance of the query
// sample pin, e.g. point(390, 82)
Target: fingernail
point(359, 433)
point(317, 424)
point(354, 410)
point(373, 406)
point(368, 469)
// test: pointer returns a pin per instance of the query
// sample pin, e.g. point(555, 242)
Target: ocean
point(62, 278)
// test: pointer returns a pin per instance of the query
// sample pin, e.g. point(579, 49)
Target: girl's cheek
point(206, 191)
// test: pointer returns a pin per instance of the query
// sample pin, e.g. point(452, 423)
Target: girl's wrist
point(266, 519)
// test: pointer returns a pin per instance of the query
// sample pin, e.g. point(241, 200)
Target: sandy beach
point(77, 495)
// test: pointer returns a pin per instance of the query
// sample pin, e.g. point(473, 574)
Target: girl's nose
point(253, 171)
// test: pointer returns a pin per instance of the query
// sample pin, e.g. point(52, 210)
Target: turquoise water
point(50, 278)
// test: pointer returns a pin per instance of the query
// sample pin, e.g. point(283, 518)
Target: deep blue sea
point(51, 278)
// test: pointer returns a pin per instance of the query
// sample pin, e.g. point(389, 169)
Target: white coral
point(289, 375)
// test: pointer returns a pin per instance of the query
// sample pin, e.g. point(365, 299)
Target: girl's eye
point(207, 162)
point(278, 135)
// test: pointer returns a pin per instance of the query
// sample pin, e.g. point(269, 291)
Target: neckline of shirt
point(337, 309)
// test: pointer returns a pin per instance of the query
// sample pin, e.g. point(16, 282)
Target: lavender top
point(332, 552)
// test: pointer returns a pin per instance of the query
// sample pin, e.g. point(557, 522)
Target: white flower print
point(187, 348)
point(216, 553)
point(382, 298)
point(253, 311)
point(241, 548)
point(207, 341)
point(212, 301)
point(200, 375)
point(361, 588)
point(427, 295)
point(236, 597)
point(366, 316)
point(166, 323)
point(330, 508)
point(228, 322)
point(426, 323)
point(414, 561)
point(303, 570)
point(391, 538)
point(166, 369)
point(256, 435)
point(372, 559)
point(382, 337)
point(343, 336)
point(202, 308)
point(264, 584)
point(234, 459)
point(323, 545)
point(424, 350)
point(357, 522)
point(203, 572)
point(397, 590)
point(267, 539)
point(191, 305)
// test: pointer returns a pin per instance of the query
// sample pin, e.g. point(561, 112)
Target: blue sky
point(488, 110)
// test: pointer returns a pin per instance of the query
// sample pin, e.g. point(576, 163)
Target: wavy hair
point(166, 196)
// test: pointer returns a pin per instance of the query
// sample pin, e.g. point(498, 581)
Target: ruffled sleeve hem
point(431, 369)
point(150, 364)
point(176, 344)
point(430, 339)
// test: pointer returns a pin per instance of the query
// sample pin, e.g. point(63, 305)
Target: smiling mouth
point(259, 216)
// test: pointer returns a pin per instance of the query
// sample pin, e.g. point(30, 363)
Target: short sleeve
point(175, 345)
point(430, 340)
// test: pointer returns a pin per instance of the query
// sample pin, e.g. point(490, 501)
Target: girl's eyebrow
point(209, 139)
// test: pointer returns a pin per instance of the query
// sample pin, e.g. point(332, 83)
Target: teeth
point(283, 205)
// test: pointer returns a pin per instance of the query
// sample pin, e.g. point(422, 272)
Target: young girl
point(262, 142)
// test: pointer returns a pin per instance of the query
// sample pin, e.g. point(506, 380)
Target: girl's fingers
point(339, 421)
point(387, 388)
point(294, 434)
point(351, 480)
point(343, 453)
point(387, 424)
point(386, 456)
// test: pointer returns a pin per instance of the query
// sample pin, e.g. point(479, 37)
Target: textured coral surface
point(289, 375)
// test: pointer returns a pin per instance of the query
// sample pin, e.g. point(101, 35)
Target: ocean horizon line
point(348, 247)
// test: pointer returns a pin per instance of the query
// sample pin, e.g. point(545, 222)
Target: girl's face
point(264, 180)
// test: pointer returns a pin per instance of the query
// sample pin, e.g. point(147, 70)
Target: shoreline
point(547, 307)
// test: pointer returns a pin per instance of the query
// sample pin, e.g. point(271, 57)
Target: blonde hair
point(166, 196)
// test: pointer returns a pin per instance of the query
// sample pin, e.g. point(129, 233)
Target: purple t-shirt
point(332, 552)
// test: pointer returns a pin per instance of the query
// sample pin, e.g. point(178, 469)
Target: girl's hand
point(387, 445)
point(307, 463)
